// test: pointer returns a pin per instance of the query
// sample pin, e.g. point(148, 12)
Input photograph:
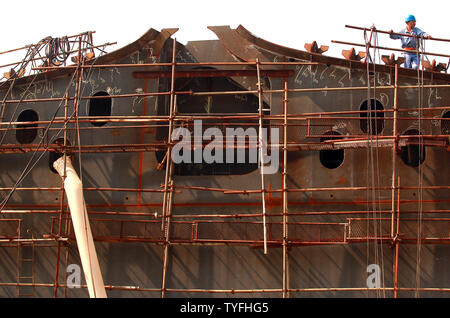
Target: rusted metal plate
point(210, 51)
point(129, 49)
point(157, 45)
point(236, 44)
point(212, 73)
point(9, 228)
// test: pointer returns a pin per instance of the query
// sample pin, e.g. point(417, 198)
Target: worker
point(410, 43)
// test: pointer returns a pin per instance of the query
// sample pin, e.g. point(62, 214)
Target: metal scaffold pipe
point(390, 49)
point(387, 32)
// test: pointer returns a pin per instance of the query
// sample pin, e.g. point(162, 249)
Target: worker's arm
point(394, 36)
point(423, 34)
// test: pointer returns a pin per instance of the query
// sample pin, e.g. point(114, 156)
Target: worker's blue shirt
point(407, 41)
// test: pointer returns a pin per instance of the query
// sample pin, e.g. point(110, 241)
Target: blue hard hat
point(410, 18)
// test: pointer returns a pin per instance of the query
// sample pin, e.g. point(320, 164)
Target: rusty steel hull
point(169, 230)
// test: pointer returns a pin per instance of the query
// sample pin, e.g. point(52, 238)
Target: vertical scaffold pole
point(168, 198)
point(394, 150)
point(61, 212)
point(261, 153)
point(285, 198)
point(397, 240)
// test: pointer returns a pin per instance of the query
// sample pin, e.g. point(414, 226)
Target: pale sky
point(288, 23)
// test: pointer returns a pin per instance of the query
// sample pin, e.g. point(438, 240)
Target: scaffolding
point(382, 222)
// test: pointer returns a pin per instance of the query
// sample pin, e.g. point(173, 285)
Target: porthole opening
point(100, 107)
point(55, 155)
point(445, 123)
point(413, 155)
point(26, 133)
point(331, 159)
point(371, 122)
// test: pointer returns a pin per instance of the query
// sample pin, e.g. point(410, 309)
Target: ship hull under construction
point(357, 206)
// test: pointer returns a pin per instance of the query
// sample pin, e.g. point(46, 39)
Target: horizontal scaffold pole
point(387, 32)
point(390, 49)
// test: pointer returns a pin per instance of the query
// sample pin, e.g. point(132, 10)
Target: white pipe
point(74, 192)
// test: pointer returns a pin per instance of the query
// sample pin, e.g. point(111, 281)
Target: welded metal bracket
point(314, 48)
point(390, 60)
point(352, 56)
point(440, 67)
